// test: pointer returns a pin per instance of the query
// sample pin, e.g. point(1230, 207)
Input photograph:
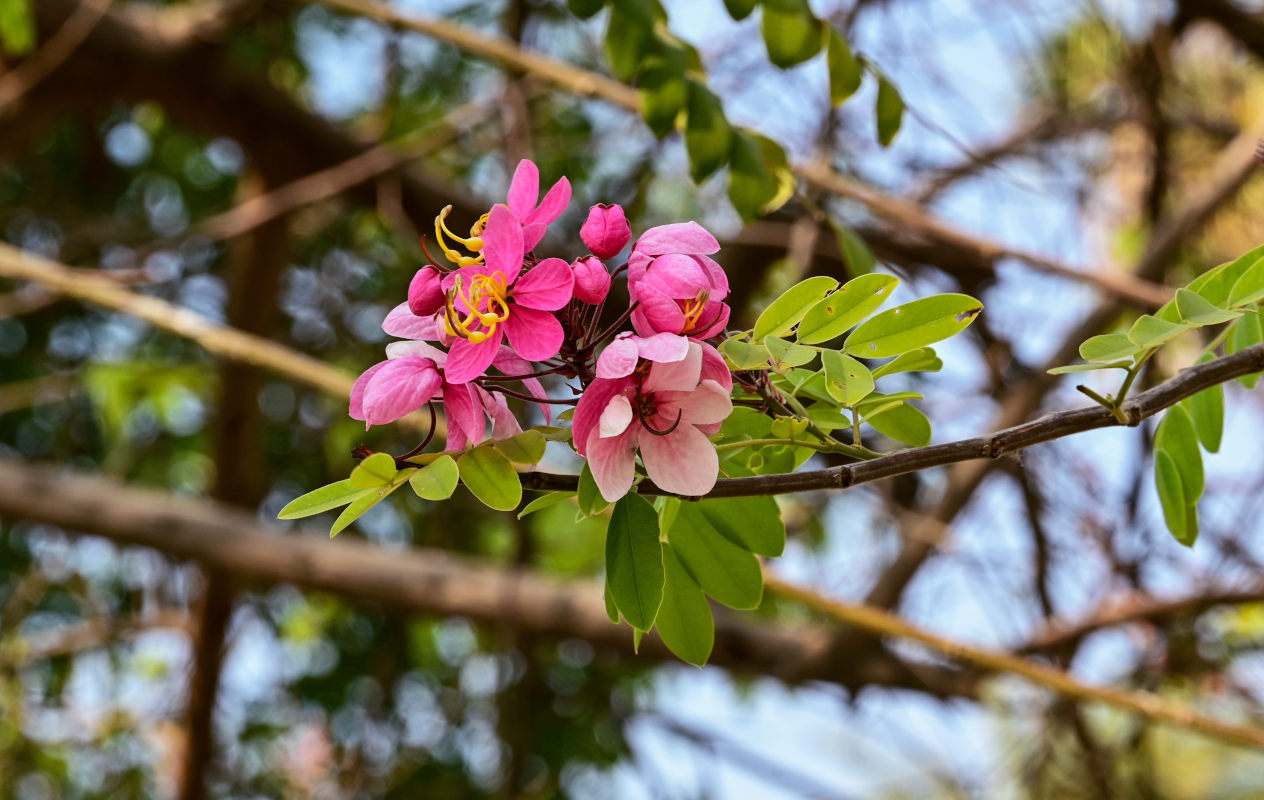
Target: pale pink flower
point(606, 230)
point(677, 288)
point(666, 413)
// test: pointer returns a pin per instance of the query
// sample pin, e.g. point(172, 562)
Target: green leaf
point(786, 311)
point(913, 325)
point(791, 32)
point(844, 70)
point(1250, 287)
point(666, 508)
point(904, 424)
point(1248, 331)
point(684, 619)
point(634, 561)
point(890, 111)
point(612, 611)
point(17, 27)
point(923, 359)
point(1108, 347)
point(753, 523)
point(437, 480)
point(1167, 480)
point(491, 478)
point(1090, 367)
point(1216, 285)
point(376, 470)
point(585, 9)
point(322, 499)
point(525, 448)
point(664, 92)
point(857, 256)
point(547, 500)
point(1149, 332)
point(846, 379)
point(591, 503)
point(1194, 309)
point(724, 570)
point(708, 137)
point(742, 355)
point(751, 185)
point(351, 513)
point(843, 309)
point(1206, 409)
point(1177, 437)
point(787, 354)
point(874, 400)
point(629, 37)
point(740, 9)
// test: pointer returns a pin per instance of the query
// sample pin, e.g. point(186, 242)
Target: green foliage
point(856, 254)
point(437, 480)
point(17, 27)
point(845, 70)
point(784, 313)
point(525, 448)
point(841, 310)
point(889, 109)
point(913, 325)
point(791, 33)
point(490, 477)
point(634, 561)
point(684, 619)
point(335, 495)
point(708, 137)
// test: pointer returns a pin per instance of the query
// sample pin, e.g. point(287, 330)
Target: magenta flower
point(535, 218)
point(592, 280)
point(665, 412)
point(496, 299)
point(606, 230)
point(425, 292)
point(676, 287)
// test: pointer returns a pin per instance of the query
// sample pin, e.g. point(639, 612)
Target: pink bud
point(592, 280)
point(606, 230)
point(425, 293)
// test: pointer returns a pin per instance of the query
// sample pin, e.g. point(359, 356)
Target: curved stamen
point(679, 414)
point(474, 243)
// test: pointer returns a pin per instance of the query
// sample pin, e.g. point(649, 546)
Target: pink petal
point(664, 347)
point(551, 207)
point(719, 279)
point(502, 244)
point(464, 412)
point(592, 280)
point(402, 322)
point(400, 387)
point(606, 230)
point(638, 262)
point(414, 348)
point(681, 237)
point(547, 286)
point(357, 390)
point(676, 376)
point(467, 361)
point(504, 423)
point(616, 418)
point(708, 403)
point(524, 188)
point(510, 363)
point(613, 462)
point(591, 404)
point(714, 368)
point(619, 358)
point(679, 277)
point(683, 462)
point(535, 335)
point(711, 322)
point(656, 312)
point(425, 292)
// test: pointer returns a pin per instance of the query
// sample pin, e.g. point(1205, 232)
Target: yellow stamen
point(474, 243)
point(694, 308)
point(490, 291)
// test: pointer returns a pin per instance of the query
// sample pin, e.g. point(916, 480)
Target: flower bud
point(606, 230)
point(425, 293)
point(592, 280)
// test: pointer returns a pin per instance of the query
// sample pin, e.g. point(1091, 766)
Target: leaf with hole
point(785, 312)
point(788, 354)
point(846, 379)
point(841, 310)
point(912, 325)
point(634, 561)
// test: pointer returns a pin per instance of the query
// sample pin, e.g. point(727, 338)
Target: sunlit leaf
point(843, 309)
point(788, 354)
point(1194, 309)
point(1108, 348)
point(912, 325)
point(544, 501)
point(524, 448)
point(322, 499)
point(437, 480)
point(376, 470)
point(740, 354)
point(844, 70)
point(846, 379)
point(785, 312)
point(791, 32)
point(922, 359)
point(1150, 332)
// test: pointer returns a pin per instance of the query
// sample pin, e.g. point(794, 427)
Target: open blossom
point(606, 230)
point(496, 299)
point(676, 286)
point(621, 356)
point(665, 410)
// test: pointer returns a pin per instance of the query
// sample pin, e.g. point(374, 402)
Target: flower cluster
point(497, 321)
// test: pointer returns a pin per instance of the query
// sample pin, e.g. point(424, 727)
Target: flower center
point(473, 243)
point(486, 301)
point(693, 309)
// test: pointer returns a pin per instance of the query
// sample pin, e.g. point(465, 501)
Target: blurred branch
point(19, 80)
point(16, 395)
point(1148, 705)
point(21, 651)
point(991, 446)
point(899, 212)
point(428, 581)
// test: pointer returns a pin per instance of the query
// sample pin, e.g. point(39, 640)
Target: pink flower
point(535, 218)
point(413, 375)
point(666, 414)
point(487, 302)
point(622, 355)
point(425, 292)
point(606, 230)
point(676, 287)
point(592, 280)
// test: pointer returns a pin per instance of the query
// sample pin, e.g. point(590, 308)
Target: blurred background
point(212, 154)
